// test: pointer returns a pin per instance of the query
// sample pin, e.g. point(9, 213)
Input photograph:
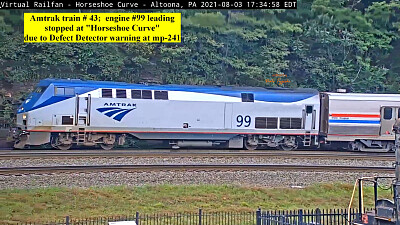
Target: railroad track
point(194, 154)
point(208, 167)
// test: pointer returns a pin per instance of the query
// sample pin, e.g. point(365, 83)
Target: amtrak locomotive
point(89, 113)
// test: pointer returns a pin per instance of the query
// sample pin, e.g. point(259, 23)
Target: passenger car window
point(387, 113)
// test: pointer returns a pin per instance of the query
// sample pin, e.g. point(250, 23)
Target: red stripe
point(354, 135)
point(356, 115)
point(180, 132)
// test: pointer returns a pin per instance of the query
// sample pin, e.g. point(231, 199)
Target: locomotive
point(71, 112)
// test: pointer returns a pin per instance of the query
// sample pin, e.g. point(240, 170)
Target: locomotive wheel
point(56, 143)
point(390, 147)
point(288, 144)
point(250, 143)
point(107, 147)
point(287, 148)
point(250, 147)
point(64, 147)
point(354, 146)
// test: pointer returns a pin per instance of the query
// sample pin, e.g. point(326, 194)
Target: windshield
point(39, 89)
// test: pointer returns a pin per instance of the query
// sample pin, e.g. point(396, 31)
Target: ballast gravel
point(246, 178)
point(187, 160)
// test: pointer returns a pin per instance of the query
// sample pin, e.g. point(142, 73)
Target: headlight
point(24, 116)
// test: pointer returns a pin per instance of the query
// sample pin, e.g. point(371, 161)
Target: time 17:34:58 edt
point(239, 4)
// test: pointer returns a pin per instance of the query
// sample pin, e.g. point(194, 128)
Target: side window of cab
point(64, 91)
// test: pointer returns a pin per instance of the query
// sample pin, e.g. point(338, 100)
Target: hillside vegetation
point(324, 44)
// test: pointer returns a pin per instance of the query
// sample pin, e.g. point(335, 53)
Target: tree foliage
point(324, 44)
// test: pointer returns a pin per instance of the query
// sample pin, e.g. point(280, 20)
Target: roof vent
point(341, 90)
point(73, 79)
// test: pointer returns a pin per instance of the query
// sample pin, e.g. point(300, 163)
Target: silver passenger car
point(364, 121)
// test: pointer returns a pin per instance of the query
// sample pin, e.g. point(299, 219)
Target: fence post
point(360, 199)
point(200, 214)
point(137, 218)
point(67, 220)
point(318, 215)
point(300, 217)
point(258, 216)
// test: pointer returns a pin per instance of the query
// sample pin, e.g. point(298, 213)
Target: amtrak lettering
point(116, 113)
point(120, 104)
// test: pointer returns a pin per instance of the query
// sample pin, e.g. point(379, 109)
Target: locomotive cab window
point(40, 90)
point(121, 93)
point(247, 97)
point(161, 95)
point(106, 93)
point(62, 91)
point(146, 94)
point(136, 94)
point(387, 113)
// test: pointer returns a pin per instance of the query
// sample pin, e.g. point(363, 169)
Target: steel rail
point(184, 167)
point(194, 154)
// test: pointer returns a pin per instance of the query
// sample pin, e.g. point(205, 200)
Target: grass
point(49, 204)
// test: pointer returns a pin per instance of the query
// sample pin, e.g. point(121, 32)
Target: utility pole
point(396, 129)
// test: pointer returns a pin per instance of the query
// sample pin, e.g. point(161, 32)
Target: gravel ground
point(188, 160)
point(246, 178)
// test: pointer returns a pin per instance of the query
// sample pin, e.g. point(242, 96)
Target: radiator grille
point(267, 122)
point(261, 122)
point(295, 123)
point(290, 123)
point(272, 123)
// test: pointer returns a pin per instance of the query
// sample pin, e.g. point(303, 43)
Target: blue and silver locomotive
point(89, 113)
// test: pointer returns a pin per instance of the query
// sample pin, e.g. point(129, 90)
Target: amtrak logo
point(115, 112)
